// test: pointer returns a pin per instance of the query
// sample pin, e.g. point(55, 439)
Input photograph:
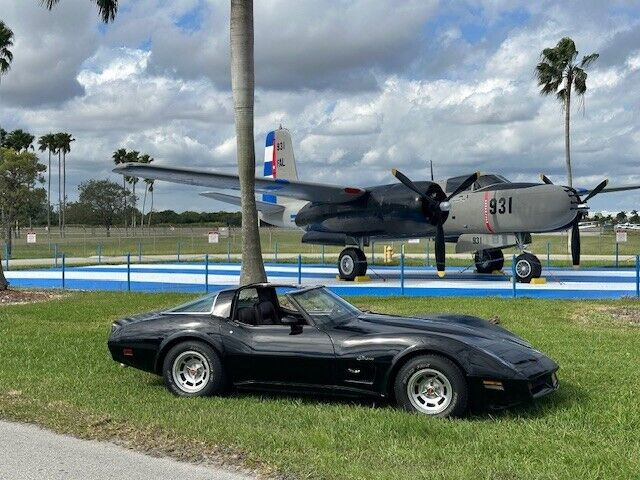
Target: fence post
point(128, 272)
point(178, 251)
point(402, 271)
point(55, 254)
point(299, 269)
point(206, 273)
point(229, 251)
point(617, 251)
point(99, 248)
point(6, 256)
point(548, 254)
point(373, 254)
point(638, 276)
point(513, 274)
point(139, 251)
point(276, 252)
point(63, 271)
point(323, 254)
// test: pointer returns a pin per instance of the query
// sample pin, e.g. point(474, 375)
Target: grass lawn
point(56, 371)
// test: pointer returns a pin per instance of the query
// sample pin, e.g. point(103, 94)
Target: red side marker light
point(351, 190)
point(127, 352)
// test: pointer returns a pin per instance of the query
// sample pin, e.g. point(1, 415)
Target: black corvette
point(287, 338)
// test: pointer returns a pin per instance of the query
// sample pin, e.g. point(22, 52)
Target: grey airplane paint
point(482, 213)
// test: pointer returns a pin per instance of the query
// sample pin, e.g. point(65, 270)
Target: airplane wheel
point(488, 260)
point(352, 263)
point(527, 267)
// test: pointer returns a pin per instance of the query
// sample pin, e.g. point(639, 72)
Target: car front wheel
point(193, 369)
point(431, 385)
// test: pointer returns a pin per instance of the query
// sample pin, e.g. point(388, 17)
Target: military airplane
point(481, 213)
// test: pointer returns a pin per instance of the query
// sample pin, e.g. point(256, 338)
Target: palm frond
point(580, 81)
point(589, 59)
point(561, 95)
point(107, 9)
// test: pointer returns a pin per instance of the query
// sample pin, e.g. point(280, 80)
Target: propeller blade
point(464, 185)
point(407, 182)
point(545, 179)
point(596, 190)
point(575, 242)
point(440, 253)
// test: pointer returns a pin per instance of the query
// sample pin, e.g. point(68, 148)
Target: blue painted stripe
point(268, 169)
point(269, 198)
point(271, 138)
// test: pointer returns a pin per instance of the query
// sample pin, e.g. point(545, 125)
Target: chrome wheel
point(191, 371)
point(523, 268)
point(429, 391)
point(347, 265)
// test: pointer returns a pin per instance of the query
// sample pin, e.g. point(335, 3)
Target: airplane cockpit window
point(455, 182)
point(488, 180)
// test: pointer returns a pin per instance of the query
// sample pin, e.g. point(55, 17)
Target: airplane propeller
point(575, 227)
point(437, 209)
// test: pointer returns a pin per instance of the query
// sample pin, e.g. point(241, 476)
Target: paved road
point(28, 452)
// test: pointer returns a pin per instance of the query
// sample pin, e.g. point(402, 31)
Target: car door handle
point(353, 370)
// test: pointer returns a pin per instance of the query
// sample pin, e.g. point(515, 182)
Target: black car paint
point(358, 356)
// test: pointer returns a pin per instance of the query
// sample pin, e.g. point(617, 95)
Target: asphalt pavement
point(28, 452)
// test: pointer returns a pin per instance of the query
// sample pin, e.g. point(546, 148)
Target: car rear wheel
point(431, 385)
point(193, 369)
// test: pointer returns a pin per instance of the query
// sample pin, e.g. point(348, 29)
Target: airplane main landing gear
point(352, 263)
point(489, 260)
point(528, 266)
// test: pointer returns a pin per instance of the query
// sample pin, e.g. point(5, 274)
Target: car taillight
point(127, 352)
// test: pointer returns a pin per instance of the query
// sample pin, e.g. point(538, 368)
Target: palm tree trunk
point(64, 189)
point(567, 143)
point(59, 193)
point(49, 198)
point(144, 204)
point(124, 187)
point(150, 213)
point(242, 85)
point(134, 213)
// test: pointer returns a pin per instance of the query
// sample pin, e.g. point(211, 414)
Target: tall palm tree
point(149, 185)
point(242, 86)
point(120, 157)
point(47, 143)
point(133, 157)
point(19, 140)
point(144, 159)
point(558, 73)
point(6, 41)
point(64, 145)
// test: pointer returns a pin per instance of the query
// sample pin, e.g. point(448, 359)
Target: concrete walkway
point(28, 452)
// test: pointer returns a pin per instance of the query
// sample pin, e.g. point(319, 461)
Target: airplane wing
point(623, 188)
point(265, 207)
point(312, 192)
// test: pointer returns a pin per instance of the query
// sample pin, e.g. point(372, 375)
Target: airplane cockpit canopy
point(483, 181)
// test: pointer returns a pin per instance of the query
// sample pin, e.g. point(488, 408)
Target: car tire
point(193, 369)
point(528, 266)
point(432, 385)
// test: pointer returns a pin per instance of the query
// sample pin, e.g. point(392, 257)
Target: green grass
point(56, 371)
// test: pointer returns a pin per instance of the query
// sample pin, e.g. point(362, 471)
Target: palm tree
point(65, 140)
point(120, 157)
point(6, 41)
point(47, 143)
point(19, 140)
point(57, 148)
point(559, 74)
point(149, 184)
point(133, 157)
point(144, 159)
point(242, 86)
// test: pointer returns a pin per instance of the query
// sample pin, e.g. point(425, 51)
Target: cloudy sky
point(363, 85)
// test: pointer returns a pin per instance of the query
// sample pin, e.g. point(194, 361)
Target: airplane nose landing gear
point(352, 263)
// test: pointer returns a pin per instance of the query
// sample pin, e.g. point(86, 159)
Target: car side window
point(247, 297)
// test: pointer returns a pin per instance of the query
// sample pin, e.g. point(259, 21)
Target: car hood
point(447, 324)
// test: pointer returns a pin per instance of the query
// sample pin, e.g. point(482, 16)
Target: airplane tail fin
point(279, 160)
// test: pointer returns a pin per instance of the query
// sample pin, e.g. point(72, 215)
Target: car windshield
point(199, 305)
point(324, 306)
